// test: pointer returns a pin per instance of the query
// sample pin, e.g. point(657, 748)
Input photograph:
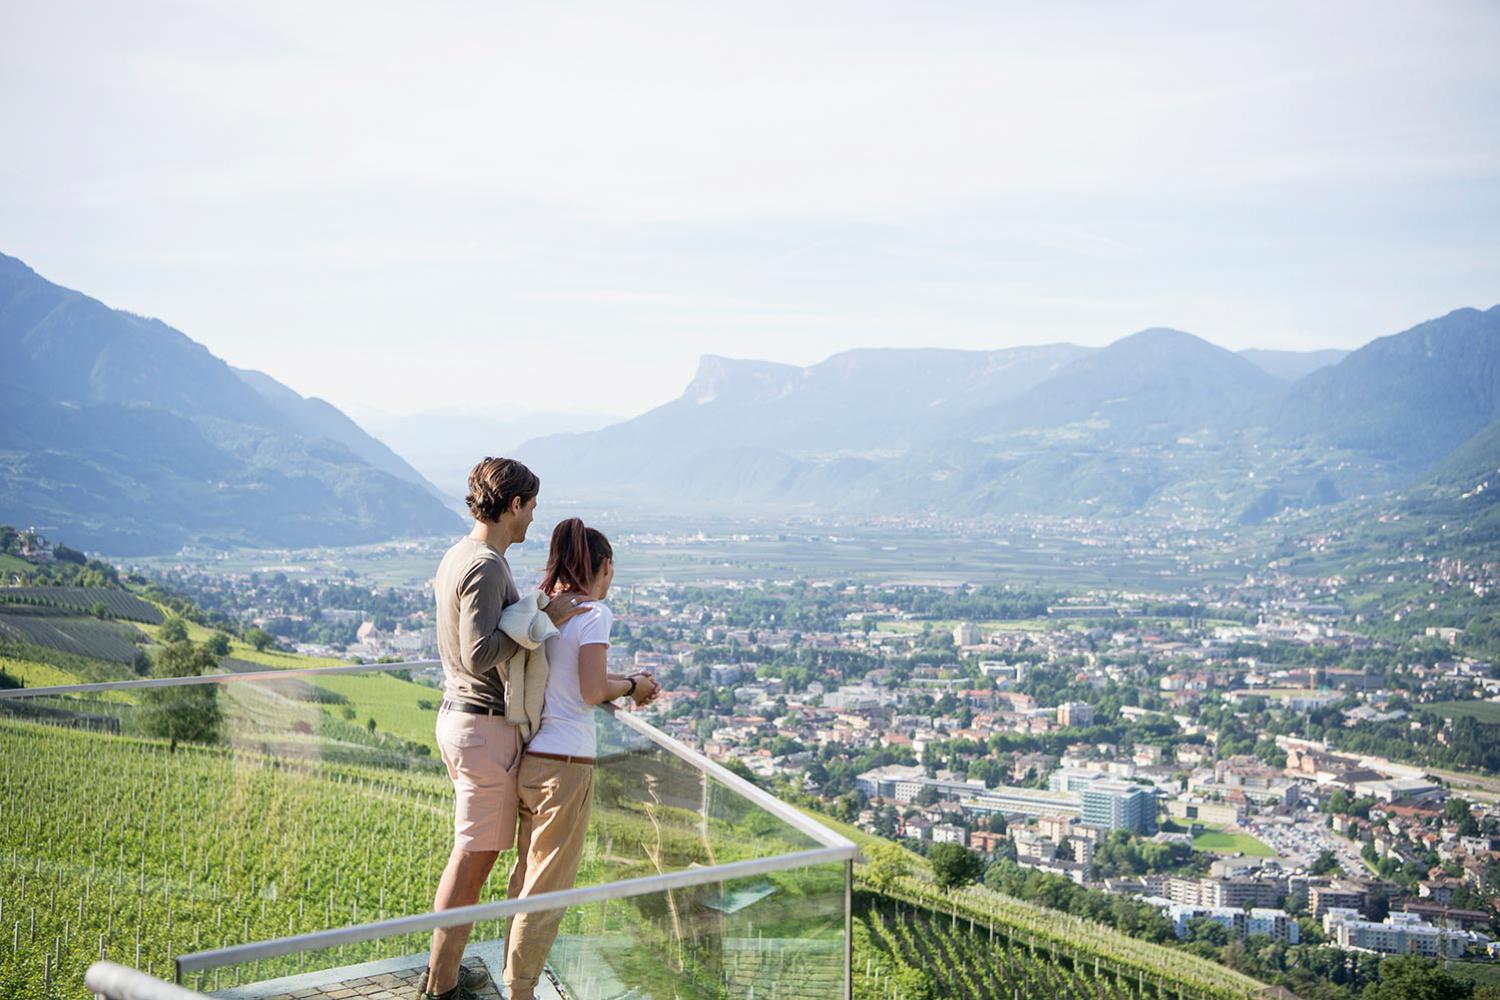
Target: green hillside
point(136, 439)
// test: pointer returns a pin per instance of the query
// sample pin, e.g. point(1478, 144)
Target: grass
point(863, 839)
point(1220, 842)
point(275, 659)
point(12, 564)
point(36, 674)
point(1487, 712)
point(33, 674)
point(390, 701)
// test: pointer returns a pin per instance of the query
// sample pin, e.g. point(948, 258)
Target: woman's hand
point(647, 689)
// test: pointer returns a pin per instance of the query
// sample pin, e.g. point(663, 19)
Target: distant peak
point(1164, 335)
point(719, 377)
point(14, 265)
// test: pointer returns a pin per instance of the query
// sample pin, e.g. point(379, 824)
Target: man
point(480, 749)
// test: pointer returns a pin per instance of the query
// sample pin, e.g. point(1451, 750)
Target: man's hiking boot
point(459, 992)
point(470, 979)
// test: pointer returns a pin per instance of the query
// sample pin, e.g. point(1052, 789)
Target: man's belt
point(469, 708)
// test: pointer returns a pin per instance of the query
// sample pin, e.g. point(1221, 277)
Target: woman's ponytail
point(576, 554)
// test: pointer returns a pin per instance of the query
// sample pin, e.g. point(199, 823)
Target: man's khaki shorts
point(483, 756)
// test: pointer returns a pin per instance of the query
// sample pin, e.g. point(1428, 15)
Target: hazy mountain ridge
point(130, 437)
point(1289, 366)
point(1409, 398)
point(1156, 421)
point(316, 417)
point(1152, 383)
point(444, 444)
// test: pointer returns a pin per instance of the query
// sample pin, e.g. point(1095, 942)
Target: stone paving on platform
point(398, 985)
point(388, 979)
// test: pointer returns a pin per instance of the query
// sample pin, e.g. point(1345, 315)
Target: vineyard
point(1072, 943)
point(113, 846)
point(904, 953)
point(59, 629)
point(117, 603)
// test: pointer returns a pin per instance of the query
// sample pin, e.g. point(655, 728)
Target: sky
point(562, 206)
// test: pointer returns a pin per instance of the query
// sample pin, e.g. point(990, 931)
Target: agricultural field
point(270, 659)
point(396, 705)
point(1486, 712)
point(14, 564)
point(1222, 842)
point(910, 953)
point(115, 846)
point(33, 674)
point(55, 628)
point(117, 603)
point(1079, 943)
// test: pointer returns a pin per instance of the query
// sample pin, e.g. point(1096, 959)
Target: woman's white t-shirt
point(567, 720)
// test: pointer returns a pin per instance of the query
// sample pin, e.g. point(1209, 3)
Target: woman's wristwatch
point(630, 691)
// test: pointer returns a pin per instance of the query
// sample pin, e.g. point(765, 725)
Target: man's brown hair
point(494, 483)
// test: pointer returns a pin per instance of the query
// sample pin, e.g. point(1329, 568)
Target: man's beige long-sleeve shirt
point(473, 585)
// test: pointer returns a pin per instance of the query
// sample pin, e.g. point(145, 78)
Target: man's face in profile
point(523, 519)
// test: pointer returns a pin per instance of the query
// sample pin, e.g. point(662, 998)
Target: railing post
point(849, 929)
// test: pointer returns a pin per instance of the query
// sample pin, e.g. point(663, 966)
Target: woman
point(556, 779)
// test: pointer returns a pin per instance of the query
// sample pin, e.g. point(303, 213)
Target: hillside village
point(1056, 741)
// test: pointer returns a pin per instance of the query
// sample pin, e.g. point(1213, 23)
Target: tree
point(1455, 810)
point(174, 629)
point(1325, 863)
point(260, 639)
point(218, 643)
point(954, 865)
point(887, 864)
point(1409, 977)
point(847, 807)
point(188, 713)
point(1210, 931)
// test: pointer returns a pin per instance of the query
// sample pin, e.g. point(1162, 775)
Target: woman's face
point(605, 578)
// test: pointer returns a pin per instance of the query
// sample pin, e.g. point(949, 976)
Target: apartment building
point(1397, 934)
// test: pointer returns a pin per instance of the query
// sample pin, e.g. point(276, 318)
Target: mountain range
point(125, 435)
point(443, 444)
point(1160, 421)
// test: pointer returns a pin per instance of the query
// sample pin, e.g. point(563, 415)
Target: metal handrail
point(146, 683)
point(320, 940)
point(118, 982)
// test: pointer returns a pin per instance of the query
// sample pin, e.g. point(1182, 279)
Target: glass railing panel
point(655, 812)
point(137, 825)
point(775, 935)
